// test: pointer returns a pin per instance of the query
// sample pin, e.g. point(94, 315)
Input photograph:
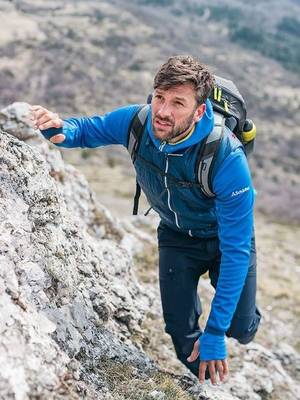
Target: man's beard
point(176, 130)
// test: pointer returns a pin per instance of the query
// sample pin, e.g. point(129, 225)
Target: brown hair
point(185, 69)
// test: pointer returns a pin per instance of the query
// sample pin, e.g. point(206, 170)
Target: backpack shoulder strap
point(136, 130)
point(207, 155)
point(135, 133)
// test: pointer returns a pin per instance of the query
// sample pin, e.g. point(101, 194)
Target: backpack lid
point(228, 101)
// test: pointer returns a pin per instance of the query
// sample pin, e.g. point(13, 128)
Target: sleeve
point(234, 206)
point(111, 128)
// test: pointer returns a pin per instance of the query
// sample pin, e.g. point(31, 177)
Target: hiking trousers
point(182, 260)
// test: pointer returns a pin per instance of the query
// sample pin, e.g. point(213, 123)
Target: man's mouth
point(162, 123)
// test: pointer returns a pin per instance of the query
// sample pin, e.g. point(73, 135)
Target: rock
point(156, 395)
point(14, 120)
point(57, 277)
point(262, 375)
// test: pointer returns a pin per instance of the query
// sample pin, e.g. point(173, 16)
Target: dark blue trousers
point(182, 260)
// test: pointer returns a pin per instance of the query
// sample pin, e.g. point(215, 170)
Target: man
point(196, 233)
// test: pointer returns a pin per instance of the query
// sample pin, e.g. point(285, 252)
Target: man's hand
point(214, 366)
point(44, 119)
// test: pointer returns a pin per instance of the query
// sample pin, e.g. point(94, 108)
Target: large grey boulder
point(67, 289)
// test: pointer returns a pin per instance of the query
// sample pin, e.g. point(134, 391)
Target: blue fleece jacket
point(233, 204)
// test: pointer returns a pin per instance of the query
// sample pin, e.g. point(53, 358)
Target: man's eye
point(178, 103)
point(158, 96)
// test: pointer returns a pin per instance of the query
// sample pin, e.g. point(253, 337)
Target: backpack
point(229, 110)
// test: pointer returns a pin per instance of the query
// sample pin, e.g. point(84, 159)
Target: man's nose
point(164, 110)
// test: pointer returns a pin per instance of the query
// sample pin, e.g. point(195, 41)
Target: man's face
point(174, 111)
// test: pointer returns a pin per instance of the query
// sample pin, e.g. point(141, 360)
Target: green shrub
point(289, 25)
point(247, 36)
point(230, 14)
point(278, 46)
point(281, 46)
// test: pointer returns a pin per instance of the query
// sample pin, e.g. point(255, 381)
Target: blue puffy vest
point(170, 183)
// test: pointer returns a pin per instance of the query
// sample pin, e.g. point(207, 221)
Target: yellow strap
point(220, 94)
point(226, 106)
point(215, 93)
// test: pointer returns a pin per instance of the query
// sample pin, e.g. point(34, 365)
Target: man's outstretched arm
point(111, 128)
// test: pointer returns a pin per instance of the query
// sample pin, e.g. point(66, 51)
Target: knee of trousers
point(244, 328)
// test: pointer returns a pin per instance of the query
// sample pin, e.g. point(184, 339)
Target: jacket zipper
point(168, 191)
point(162, 145)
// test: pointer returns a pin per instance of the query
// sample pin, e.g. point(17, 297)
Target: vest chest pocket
point(151, 182)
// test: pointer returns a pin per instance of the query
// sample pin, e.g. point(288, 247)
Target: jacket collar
point(202, 129)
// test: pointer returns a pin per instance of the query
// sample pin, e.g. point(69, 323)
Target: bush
point(279, 46)
point(231, 14)
point(247, 36)
point(289, 25)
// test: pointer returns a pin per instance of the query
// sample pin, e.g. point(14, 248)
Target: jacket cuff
point(212, 347)
point(48, 133)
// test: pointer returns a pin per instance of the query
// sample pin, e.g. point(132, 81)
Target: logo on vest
point(238, 192)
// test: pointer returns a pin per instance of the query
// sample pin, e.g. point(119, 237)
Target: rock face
point(71, 307)
point(67, 289)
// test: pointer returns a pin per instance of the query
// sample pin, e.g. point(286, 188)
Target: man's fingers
point(47, 116)
point(57, 138)
point(35, 106)
point(195, 353)
point(37, 110)
point(41, 113)
point(52, 123)
point(220, 370)
point(202, 369)
point(43, 119)
point(225, 368)
point(212, 372)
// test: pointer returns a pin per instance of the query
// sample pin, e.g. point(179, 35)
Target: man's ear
point(200, 110)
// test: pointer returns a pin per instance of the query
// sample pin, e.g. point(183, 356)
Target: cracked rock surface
point(66, 289)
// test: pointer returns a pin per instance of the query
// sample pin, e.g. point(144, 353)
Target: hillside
point(80, 314)
point(83, 58)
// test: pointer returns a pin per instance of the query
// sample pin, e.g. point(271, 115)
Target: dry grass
point(126, 382)
point(146, 264)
